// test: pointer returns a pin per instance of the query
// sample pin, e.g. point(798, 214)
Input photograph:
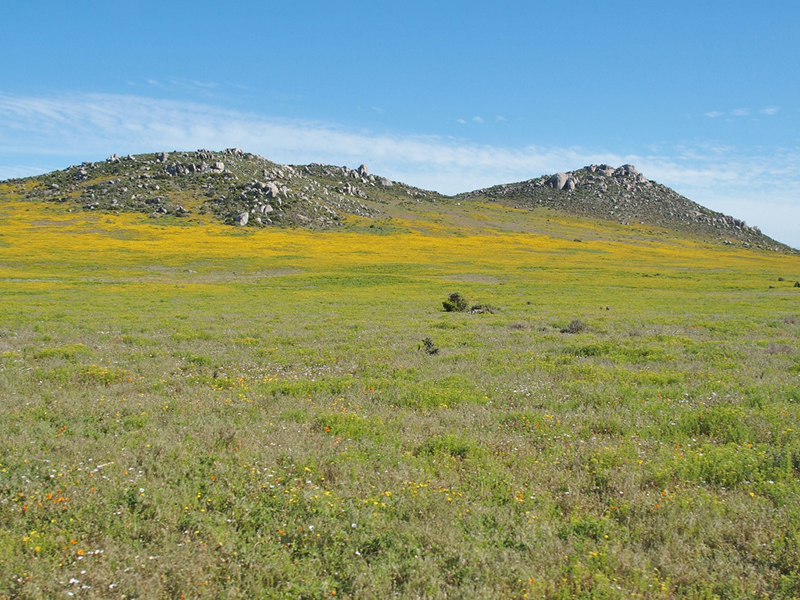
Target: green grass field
point(201, 412)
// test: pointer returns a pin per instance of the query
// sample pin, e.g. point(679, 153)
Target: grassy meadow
point(190, 410)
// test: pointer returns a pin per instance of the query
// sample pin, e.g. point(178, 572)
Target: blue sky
point(701, 96)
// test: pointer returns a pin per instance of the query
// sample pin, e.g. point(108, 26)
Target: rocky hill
point(248, 190)
point(236, 187)
point(624, 195)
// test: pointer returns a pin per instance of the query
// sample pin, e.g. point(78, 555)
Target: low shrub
point(429, 346)
point(576, 326)
point(455, 303)
point(455, 446)
point(482, 308)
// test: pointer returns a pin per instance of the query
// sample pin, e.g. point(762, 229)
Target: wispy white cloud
point(461, 121)
point(184, 84)
point(743, 112)
point(52, 132)
point(500, 118)
point(201, 84)
point(478, 120)
point(22, 169)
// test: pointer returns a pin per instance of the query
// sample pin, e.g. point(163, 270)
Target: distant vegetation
point(191, 409)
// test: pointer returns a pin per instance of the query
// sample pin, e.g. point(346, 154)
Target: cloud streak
point(52, 131)
point(769, 111)
point(99, 125)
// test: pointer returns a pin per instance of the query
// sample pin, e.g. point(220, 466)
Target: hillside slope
point(624, 195)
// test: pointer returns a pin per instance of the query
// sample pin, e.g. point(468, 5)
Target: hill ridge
point(245, 189)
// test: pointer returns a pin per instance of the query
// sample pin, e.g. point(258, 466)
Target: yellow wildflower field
point(201, 411)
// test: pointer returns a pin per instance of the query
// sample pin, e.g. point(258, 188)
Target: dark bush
point(455, 303)
point(429, 346)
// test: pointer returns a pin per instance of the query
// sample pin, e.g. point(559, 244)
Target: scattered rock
point(606, 170)
point(271, 190)
point(558, 181)
point(626, 170)
point(241, 219)
point(480, 309)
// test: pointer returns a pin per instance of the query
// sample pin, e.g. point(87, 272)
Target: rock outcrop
point(624, 195)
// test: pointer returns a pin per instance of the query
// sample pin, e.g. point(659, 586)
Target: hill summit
point(624, 195)
point(248, 190)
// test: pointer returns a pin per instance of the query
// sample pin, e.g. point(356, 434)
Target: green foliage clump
point(102, 375)
point(455, 302)
point(585, 527)
point(350, 426)
point(200, 360)
point(67, 351)
point(723, 423)
point(455, 446)
point(189, 335)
